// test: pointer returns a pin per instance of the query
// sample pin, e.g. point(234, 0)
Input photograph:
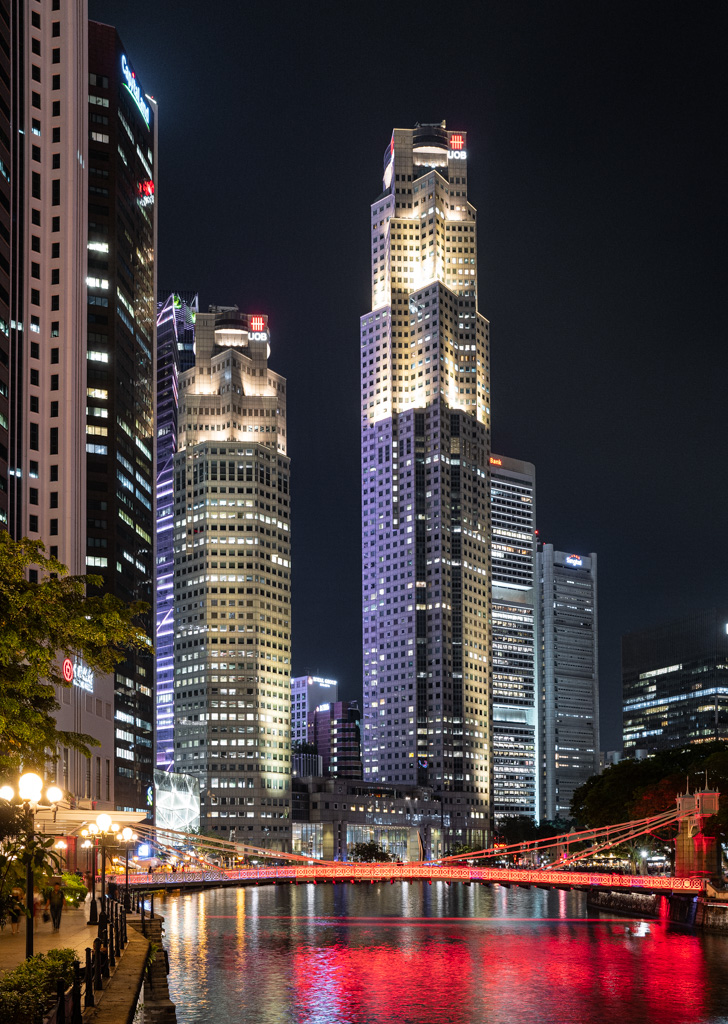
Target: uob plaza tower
point(425, 408)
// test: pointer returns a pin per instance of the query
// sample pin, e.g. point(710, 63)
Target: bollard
point(110, 944)
point(76, 1015)
point(88, 985)
point(144, 927)
point(104, 955)
point(98, 983)
point(117, 935)
point(151, 906)
point(125, 938)
point(61, 994)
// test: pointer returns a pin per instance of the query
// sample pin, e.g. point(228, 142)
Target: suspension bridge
point(550, 863)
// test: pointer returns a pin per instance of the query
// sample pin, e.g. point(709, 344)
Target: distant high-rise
point(176, 315)
point(569, 675)
point(675, 683)
point(232, 581)
point(334, 730)
point(425, 439)
point(516, 745)
point(307, 692)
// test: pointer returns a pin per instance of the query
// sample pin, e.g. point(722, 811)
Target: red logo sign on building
point(457, 142)
point(257, 323)
point(68, 670)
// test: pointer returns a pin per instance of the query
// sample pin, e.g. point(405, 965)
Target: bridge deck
point(357, 872)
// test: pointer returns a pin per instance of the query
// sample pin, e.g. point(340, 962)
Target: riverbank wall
point(710, 915)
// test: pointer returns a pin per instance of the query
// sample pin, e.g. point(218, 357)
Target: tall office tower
point(570, 675)
point(334, 730)
point(307, 692)
point(121, 379)
point(176, 314)
point(232, 589)
point(675, 683)
point(80, 342)
point(425, 436)
point(515, 706)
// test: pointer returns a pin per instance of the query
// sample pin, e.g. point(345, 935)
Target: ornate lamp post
point(30, 792)
point(128, 837)
point(103, 827)
point(61, 845)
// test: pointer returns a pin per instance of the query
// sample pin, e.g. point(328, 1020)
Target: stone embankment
point(709, 912)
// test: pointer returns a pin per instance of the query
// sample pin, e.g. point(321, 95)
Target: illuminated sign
point(495, 462)
point(322, 682)
point(457, 147)
point(134, 89)
point(146, 193)
point(258, 335)
point(144, 850)
point(324, 707)
point(574, 560)
point(256, 323)
point(457, 142)
point(78, 674)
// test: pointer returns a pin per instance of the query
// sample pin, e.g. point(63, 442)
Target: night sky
point(597, 166)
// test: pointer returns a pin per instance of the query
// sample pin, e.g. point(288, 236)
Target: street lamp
point(30, 792)
point(61, 845)
point(128, 836)
point(103, 827)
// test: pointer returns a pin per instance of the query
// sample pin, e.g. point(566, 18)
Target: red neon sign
point(146, 188)
point(457, 142)
point(68, 670)
point(257, 323)
point(495, 462)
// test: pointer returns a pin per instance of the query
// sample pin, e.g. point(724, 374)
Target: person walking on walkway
point(55, 905)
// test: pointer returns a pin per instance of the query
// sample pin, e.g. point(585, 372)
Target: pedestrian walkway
point(74, 933)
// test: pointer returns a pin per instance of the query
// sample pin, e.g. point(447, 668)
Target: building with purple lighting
point(176, 315)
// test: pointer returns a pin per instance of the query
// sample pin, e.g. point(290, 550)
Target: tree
point(369, 852)
point(40, 624)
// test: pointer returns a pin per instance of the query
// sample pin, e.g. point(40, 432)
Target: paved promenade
point(74, 933)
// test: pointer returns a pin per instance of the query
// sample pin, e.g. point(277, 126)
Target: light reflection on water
point(420, 954)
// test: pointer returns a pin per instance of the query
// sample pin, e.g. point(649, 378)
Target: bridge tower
point(695, 853)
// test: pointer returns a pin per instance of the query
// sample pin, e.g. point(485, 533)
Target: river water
point(420, 954)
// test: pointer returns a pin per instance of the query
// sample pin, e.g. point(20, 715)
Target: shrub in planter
point(29, 991)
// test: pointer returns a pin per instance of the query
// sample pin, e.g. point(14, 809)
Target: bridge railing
point(345, 872)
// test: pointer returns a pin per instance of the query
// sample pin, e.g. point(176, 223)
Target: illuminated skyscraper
point(232, 581)
point(176, 314)
point(425, 422)
point(307, 692)
point(515, 707)
point(568, 641)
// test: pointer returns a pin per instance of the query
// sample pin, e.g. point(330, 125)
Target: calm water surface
point(420, 954)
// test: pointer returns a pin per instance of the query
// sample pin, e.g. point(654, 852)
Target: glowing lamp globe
point(93, 829)
point(7, 793)
point(54, 794)
point(126, 834)
point(30, 787)
point(104, 822)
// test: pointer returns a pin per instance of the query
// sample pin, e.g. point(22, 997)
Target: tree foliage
point(640, 789)
point(369, 852)
point(40, 624)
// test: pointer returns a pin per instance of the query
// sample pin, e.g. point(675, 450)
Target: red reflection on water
point(460, 975)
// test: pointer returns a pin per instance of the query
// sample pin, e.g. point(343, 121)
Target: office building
point(307, 764)
point(330, 816)
point(232, 589)
point(334, 730)
point(80, 340)
point(568, 640)
point(675, 683)
point(425, 444)
point(176, 315)
point(307, 692)
point(516, 745)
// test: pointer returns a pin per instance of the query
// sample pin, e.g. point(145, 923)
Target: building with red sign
point(425, 445)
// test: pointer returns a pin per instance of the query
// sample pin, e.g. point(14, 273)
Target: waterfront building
point(675, 683)
point(232, 621)
point(516, 741)
point(79, 339)
point(425, 444)
point(307, 692)
point(176, 315)
point(331, 815)
point(334, 730)
point(568, 640)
